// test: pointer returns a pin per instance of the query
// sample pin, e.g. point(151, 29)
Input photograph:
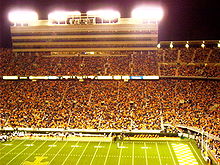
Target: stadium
point(97, 88)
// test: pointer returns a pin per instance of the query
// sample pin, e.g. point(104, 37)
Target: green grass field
point(36, 152)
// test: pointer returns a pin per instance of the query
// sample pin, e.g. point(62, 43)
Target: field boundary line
point(196, 153)
point(145, 154)
point(95, 154)
point(107, 153)
point(69, 153)
point(119, 159)
point(57, 153)
point(12, 149)
point(19, 153)
point(171, 153)
point(82, 153)
point(34, 151)
point(158, 153)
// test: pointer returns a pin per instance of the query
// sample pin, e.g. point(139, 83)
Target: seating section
point(164, 62)
point(110, 104)
point(102, 104)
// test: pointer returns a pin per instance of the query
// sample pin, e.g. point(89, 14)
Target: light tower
point(149, 15)
point(22, 17)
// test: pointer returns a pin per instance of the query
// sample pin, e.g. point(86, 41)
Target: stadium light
point(219, 44)
point(105, 14)
point(62, 15)
point(171, 44)
point(148, 13)
point(158, 45)
point(22, 16)
point(203, 44)
point(187, 45)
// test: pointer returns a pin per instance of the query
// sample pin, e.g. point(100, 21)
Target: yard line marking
point(133, 154)
point(82, 153)
point(7, 144)
point(158, 153)
point(119, 159)
point(94, 154)
point(171, 153)
point(69, 153)
point(196, 153)
point(57, 153)
point(4, 147)
point(99, 147)
point(28, 145)
point(12, 149)
point(49, 148)
point(145, 154)
point(34, 151)
point(19, 154)
point(52, 145)
point(107, 153)
point(75, 146)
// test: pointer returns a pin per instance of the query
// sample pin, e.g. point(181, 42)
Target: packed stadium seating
point(110, 104)
point(214, 145)
point(102, 104)
point(165, 62)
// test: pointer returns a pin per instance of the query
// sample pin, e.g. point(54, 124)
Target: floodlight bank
point(22, 16)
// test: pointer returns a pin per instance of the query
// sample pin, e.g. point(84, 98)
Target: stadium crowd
point(110, 104)
point(214, 146)
point(113, 104)
point(165, 62)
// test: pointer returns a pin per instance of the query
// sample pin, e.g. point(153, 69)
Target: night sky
point(183, 20)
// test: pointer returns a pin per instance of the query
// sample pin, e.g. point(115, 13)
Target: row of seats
point(110, 104)
point(165, 62)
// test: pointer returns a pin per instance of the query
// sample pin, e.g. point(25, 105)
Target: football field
point(39, 152)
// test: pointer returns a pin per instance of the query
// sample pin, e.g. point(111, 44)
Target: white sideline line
point(69, 153)
point(171, 153)
point(82, 153)
point(145, 154)
point(57, 153)
point(12, 149)
point(19, 153)
point(196, 153)
point(158, 153)
point(119, 159)
point(133, 154)
point(107, 153)
point(34, 151)
point(95, 154)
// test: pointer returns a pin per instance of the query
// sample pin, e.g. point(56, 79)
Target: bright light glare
point(62, 15)
point(149, 13)
point(187, 44)
point(105, 14)
point(158, 45)
point(171, 45)
point(22, 16)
